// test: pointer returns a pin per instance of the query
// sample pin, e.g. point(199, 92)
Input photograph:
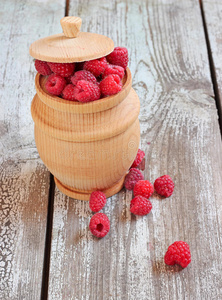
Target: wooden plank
point(24, 181)
point(180, 135)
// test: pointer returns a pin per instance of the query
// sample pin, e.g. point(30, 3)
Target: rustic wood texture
point(24, 181)
point(180, 135)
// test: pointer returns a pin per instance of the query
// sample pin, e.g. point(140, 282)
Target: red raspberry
point(42, 67)
point(143, 188)
point(97, 201)
point(178, 253)
point(164, 186)
point(68, 79)
point(79, 65)
point(87, 91)
point(110, 85)
point(62, 69)
point(69, 92)
point(132, 177)
point(139, 157)
point(96, 66)
point(119, 57)
point(112, 69)
point(55, 84)
point(99, 225)
point(140, 206)
point(83, 75)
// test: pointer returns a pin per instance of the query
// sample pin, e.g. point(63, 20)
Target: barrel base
point(69, 191)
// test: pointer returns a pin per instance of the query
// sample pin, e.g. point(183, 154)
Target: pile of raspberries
point(179, 251)
point(85, 81)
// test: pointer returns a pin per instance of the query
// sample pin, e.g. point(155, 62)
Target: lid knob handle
point(71, 26)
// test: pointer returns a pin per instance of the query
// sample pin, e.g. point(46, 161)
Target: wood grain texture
point(180, 136)
point(24, 181)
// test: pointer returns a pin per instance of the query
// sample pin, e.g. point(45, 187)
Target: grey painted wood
point(180, 135)
point(24, 181)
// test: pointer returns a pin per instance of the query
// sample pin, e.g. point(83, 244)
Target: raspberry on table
point(111, 85)
point(42, 67)
point(143, 188)
point(140, 206)
point(69, 92)
point(83, 75)
point(99, 225)
point(178, 253)
point(139, 157)
point(97, 201)
point(62, 69)
point(55, 84)
point(112, 69)
point(118, 57)
point(132, 178)
point(87, 91)
point(96, 66)
point(164, 186)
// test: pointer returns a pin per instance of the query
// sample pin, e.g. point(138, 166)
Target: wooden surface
point(180, 135)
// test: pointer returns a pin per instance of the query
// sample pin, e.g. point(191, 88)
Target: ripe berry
point(132, 177)
point(140, 206)
point(69, 92)
point(97, 201)
point(164, 186)
point(83, 75)
point(143, 188)
point(112, 69)
point(62, 69)
point(139, 157)
point(119, 57)
point(99, 225)
point(178, 253)
point(87, 91)
point(110, 85)
point(55, 84)
point(42, 67)
point(96, 66)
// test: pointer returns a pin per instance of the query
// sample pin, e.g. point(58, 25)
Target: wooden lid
point(71, 45)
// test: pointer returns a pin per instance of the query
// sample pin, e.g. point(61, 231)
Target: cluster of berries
point(178, 252)
point(86, 81)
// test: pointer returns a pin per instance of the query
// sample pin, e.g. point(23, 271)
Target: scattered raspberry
point(110, 85)
point(140, 206)
point(112, 69)
point(178, 253)
point(64, 70)
point(42, 67)
point(97, 201)
point(69, 92)
point(99, 225)
point(164, 186)
point(119, 57)
point(96, 66)
point(132, 177)
point(87, 91)
point(55, 84)
point(143, 188)
point(139, 157)
point(83, 75)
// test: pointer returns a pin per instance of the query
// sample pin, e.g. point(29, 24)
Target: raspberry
point(69, 92)
point(119, 57)
point(164, 186)
point(79, 65)
point(55, 84)
point(64, 70)
point(68, 79)
point(178, 253)
point(139, 157)
point(99, 225)
point(110, 85)
point(87, 91)
point(96, 66)
point(140, 206)
point(132, 177)
point(42, 67)
point(97, 201)
point(112, 69)
point(143, 188)
point(83, 75)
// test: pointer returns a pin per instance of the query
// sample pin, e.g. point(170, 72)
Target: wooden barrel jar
point(86, 146)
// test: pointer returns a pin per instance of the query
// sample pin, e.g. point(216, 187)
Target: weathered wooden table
point(46, 249)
